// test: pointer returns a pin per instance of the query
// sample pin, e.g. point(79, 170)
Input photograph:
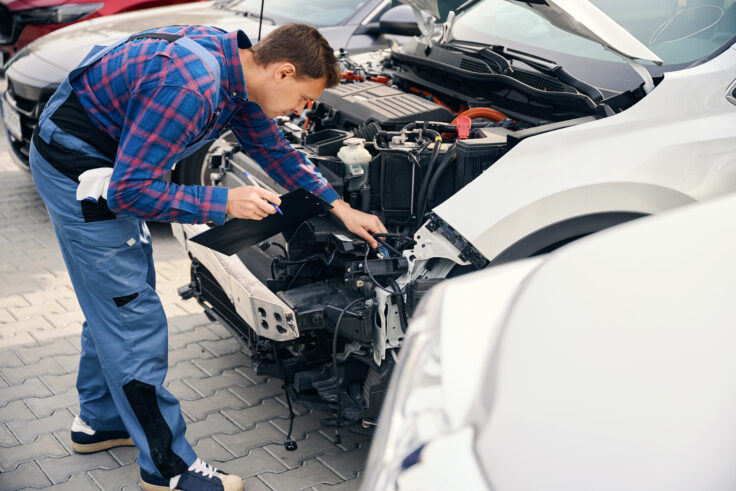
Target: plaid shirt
point(156, 98)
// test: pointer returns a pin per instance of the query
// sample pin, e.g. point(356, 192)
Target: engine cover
point(362, 102)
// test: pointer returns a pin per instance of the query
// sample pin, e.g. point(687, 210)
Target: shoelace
point(201, 467)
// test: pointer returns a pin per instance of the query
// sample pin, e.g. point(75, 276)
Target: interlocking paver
point(27, 431)
point(351, 485)
point(9, 359)
point(29, 388)
point(213, 424)
point(60, 383)
point(200, 408)
point(116, 478)
point(59, 470)
point(33, 354)
point(255, 393)
point(302, 424)
point(209, 450)
point(221, 346)
point(80, 482)
point(256, 462)
point(222, 363)
point(255, 484)
point(6, 438)
point(351, 437)
point(13, 301)
point(44, 406)
point(309, 474)
point(183, 323)
point(182, 391)
point(314, 445)
point(25, 476)
point(16, 411)
point(124, 455)
point(200, 333)
point(228, 379)
point(17, 375)
point(25, 312)
point(190, 352)
point(45, 446)
point(240, 443)
point(69, 362)
point(264, 411)
point(13, 338)
point(346, 464)
point(184, 370)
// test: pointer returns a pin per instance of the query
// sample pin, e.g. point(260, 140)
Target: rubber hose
point(481, 112)
point(421, 202)
point(365, 199)
point(449, 158)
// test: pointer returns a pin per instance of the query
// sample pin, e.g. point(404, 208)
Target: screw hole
point(264, 324)
point(261, 311)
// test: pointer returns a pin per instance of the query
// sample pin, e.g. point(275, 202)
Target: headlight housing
point(412, 412)
point(61, 14)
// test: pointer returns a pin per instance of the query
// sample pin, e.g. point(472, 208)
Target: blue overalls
point(124, 355)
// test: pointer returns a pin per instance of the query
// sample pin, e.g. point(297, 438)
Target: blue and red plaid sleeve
point(265, 143)
point(161, 120)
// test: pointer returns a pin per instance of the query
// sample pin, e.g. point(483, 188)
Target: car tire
point(193, 169)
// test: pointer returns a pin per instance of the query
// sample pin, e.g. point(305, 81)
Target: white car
point(585, 114)
point(608, 365)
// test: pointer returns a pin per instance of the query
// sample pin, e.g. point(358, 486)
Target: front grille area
point(29, 112)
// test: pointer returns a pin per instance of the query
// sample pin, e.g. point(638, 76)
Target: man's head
point(295, 64)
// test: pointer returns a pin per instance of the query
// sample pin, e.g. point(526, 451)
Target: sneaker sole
point(96, 447)
point(152, 487)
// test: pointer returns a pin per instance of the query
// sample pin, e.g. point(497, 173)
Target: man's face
point(290, 93)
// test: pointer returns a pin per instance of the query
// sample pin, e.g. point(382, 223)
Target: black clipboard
point(238, 233)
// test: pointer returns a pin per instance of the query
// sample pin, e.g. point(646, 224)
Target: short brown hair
point(302, 46)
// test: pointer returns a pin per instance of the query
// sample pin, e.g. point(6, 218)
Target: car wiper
point(245, 13)
point(542, 65)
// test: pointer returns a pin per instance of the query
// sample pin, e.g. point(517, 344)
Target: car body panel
point(654, 156)
point(612, 367)
point(618, 360)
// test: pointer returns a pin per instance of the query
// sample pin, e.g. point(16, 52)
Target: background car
point(36, 71)
point(582, 115)
point(22, 21)
point(609, 364)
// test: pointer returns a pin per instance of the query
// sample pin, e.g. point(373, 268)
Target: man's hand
point(251, 202)
point(361, 224)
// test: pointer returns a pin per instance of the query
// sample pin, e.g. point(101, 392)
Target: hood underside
point(579, 17)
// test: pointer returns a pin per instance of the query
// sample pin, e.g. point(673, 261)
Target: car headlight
point(412, 412)
point(60, 14)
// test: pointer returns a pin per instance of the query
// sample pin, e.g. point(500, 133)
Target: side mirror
point(399, 20)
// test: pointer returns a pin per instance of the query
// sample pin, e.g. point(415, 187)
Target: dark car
point(22, 21)
point(37, 70)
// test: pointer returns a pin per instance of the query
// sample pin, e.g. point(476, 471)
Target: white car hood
point(579, 17)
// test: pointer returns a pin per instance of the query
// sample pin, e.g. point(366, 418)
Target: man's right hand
point(251, 202)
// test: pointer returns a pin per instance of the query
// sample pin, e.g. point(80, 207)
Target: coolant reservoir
point(356, 158)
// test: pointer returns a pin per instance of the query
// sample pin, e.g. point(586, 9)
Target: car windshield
point(680, 32)
point(319, 14)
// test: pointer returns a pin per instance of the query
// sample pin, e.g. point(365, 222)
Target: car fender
point(673, 147)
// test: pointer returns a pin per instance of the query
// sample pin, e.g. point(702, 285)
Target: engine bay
point(402, 133)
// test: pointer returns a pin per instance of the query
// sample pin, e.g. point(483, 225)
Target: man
point(132, 110)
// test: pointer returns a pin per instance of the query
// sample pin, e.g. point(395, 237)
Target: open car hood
point(579, 17)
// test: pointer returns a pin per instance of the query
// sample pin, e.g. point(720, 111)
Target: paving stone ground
point(236, 418)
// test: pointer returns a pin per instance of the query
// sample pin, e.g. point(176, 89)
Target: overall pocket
point(110, 255)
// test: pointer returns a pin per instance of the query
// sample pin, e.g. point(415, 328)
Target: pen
point(278, 210)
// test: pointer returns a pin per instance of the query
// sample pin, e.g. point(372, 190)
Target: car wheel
point(193, 169)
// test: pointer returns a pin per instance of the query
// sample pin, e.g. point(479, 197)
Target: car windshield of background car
point(319, 14)
point(680, 32)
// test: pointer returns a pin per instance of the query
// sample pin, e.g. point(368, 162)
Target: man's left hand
point(363, 225)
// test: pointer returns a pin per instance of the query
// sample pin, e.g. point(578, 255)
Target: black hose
point(289, 444)
point(446, 161)
point(334, 369)
point(424, 190)
point(400, 304)
point(421, 198)
point(365, 198)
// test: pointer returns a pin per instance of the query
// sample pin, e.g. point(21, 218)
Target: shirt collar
point(236, 80)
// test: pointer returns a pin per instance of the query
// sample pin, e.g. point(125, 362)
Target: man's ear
point(284, 70)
